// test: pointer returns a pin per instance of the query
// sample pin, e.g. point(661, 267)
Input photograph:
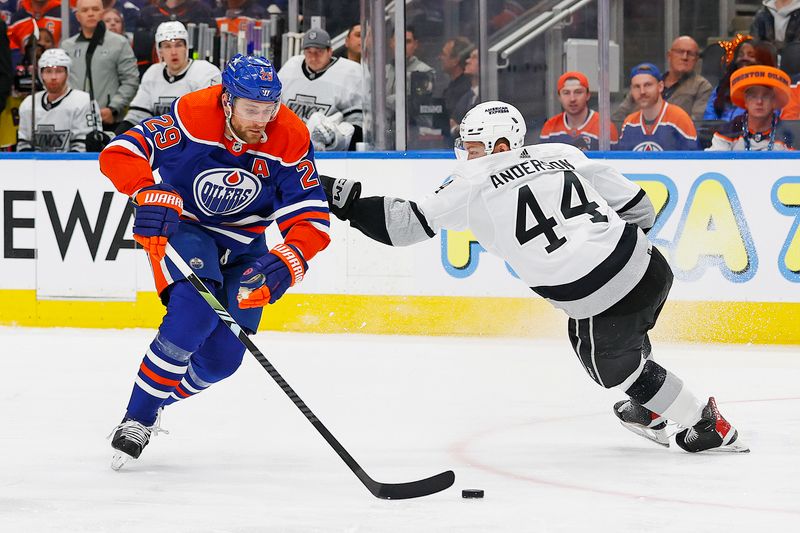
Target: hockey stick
point(386, 491)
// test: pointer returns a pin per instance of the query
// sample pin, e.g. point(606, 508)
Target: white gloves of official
point(329, 134)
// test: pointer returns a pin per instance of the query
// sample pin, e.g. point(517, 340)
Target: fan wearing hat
point(657, 125)
point(762, 92)
point(326, 92)
point(63, 116)
point(577, 124)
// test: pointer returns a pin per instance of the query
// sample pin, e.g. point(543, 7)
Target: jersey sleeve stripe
point(120, 142)
point(308, 215)
point(141, 139)
point(428, 230)
point(636, 199)
point(289, 209)
point(320, 227)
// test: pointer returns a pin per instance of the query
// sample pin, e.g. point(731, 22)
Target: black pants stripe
point(610, 345)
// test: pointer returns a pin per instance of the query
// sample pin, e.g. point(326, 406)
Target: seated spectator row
point(675, 110)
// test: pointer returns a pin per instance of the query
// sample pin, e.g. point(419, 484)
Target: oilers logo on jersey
point(304, 106)
point(648, 146)
point(225, 191)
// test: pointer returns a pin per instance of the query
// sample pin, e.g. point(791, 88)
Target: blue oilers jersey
point(231, 190)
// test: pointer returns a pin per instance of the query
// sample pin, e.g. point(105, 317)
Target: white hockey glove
point(329, 134)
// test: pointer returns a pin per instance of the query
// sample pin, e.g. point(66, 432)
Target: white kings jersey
point(158, 89)
point(569, 227)
point(61, 126)
point(337, 88)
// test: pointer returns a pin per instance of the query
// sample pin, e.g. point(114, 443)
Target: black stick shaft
point(381, 490)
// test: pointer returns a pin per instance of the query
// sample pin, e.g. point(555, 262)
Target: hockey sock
point(160, 373)
point(662, 392)
point(218, 357)
point(190, 385)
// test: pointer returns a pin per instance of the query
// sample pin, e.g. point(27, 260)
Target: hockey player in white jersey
point(173, 77)
point(573, 229)
point(64, 116)
point(326, 92)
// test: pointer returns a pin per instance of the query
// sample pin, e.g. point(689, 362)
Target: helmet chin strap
point(228, 108)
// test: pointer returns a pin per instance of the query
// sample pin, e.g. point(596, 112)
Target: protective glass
point(255, 111)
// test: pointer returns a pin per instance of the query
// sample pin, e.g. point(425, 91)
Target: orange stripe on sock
point(180, 391)
point(158, 379)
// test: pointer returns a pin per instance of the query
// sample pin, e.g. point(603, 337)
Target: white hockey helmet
point(172, 29)
point(489, 122)
point(55, 57)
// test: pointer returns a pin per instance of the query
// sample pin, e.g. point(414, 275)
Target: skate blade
point(734, 447)
point(118, 460)
point(659, 437)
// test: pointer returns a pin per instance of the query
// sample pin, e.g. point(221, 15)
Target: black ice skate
point(642, 421)
point(129, 439)
point(711, 433)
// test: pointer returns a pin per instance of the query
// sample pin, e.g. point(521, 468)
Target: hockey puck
point(472, 493)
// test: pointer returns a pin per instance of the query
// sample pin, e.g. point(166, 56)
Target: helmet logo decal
point(250, 77)
point(495, 110)
point(225, 191)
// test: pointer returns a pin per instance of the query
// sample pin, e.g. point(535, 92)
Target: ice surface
point(517, 418)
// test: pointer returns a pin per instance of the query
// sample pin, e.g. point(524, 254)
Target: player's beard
point(250, 133)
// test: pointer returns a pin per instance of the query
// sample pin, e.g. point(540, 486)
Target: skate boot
point(711, 433)
point(642, 421)
point(129, 439)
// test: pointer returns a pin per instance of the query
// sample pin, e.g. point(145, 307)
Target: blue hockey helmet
point(251, 77)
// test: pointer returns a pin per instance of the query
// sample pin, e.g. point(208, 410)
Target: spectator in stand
point(113, 77)
point(777, 21)
point(114, 21)
point(792, 110)
point(7, 8)
point(24, 79)
point(413, 64)
point(741, 51)
point(46, 13)
point(577, 124)
point(173, 77)
point(471, 98)
point(6, 72)
point(352, 44)
point(185, 11)
point(657, 125)
point(64, 116)
point(762, 91)
point(454, 59)
point(128, 11)
point(235, 12)
point(325, 92)
point(683, 86)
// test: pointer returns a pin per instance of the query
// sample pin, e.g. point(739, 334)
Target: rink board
point(728, 225)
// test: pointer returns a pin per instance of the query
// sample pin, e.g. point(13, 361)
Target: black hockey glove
point(341, 194)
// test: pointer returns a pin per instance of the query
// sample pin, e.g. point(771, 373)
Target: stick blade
point(413, 489)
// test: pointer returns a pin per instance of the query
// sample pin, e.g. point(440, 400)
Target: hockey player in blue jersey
point(209, 177)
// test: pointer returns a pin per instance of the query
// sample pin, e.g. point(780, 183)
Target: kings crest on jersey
point(233, 191)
